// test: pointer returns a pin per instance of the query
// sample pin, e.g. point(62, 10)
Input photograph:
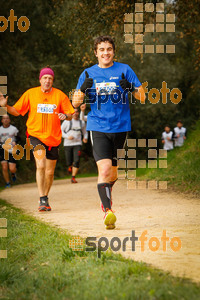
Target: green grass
point(40, 265)
point(182, 171)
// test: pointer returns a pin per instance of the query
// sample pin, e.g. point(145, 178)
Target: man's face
point(105, 54)
point(5, 121)
point(46, 83)
point(179, 124)
point(167, 129)
point(76, 114)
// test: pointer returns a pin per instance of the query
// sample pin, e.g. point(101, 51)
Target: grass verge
point(40, 265)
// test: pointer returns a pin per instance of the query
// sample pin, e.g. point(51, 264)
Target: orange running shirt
point(42, 121)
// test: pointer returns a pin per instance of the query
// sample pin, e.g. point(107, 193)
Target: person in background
point(179, 134)
point(72, 132)
point(8, 131)
point(167, 139)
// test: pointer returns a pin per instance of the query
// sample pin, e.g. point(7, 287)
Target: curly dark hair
point(103, 38)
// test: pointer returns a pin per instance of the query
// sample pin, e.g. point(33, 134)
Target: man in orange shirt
point(46, 106)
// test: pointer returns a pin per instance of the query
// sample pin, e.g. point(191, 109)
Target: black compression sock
point(105, 194)
point(44, 198)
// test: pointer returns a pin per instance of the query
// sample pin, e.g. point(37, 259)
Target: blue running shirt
point(110, 110)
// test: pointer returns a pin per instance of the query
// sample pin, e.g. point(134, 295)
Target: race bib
point(45, 108)
point(108, 86)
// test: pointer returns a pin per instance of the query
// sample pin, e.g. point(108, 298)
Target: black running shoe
point(73, 180)
point(44, 204)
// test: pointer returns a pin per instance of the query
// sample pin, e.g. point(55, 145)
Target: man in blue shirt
point(107, 84)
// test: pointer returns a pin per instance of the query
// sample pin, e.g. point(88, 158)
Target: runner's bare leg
point(12, 167)
point(4, 165)
point(49, 174)
point(104, 170)
point(114, 173)
point(74, 171)
point(40, 161)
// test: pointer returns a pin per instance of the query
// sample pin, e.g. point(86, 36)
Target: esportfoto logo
point(105, 91)
point(163, 23)
point(3, 234)
point(23, 23)
point(116, 244)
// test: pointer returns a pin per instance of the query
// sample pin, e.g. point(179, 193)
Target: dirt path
point(76, 208)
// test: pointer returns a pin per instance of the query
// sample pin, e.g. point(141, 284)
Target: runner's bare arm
point(62, 116)
point(78, 98)
point(10, 109)
point(139, 94)
point(68, 117)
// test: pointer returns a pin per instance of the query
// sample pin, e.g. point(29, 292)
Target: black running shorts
point(105, 145)
point(51, 152)
point(10, 159)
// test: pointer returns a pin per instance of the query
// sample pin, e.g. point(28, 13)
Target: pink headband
point(46, 71)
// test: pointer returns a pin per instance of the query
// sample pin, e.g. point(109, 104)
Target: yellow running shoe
point(109, 219)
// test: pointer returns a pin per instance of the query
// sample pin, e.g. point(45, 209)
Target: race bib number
point(45, 108)
point(108, 86)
